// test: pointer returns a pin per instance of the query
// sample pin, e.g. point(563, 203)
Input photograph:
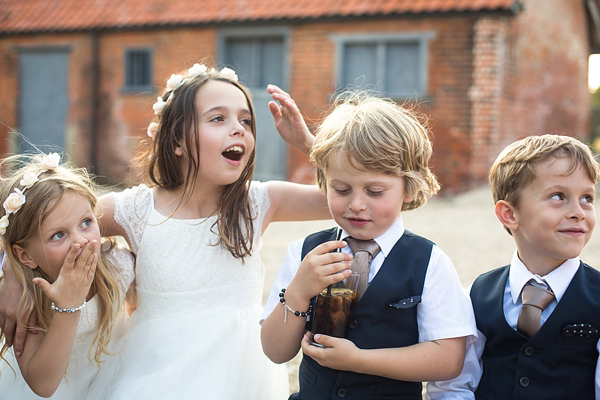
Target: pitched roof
point(20, 16)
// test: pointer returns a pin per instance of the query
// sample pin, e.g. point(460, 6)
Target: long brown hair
point(41, 198)
point(177, 126)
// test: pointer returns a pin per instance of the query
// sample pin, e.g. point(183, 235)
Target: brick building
point(83, 74)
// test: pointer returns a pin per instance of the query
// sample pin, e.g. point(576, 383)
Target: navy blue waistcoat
point(385, 317)
point(558, 362)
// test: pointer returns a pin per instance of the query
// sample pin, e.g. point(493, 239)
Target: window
point(258, 60)
point(138, 70)
point(259, 56)
point(395, 65)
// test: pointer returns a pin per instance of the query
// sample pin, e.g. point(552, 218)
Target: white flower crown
point(15, 201)
point(176, 81)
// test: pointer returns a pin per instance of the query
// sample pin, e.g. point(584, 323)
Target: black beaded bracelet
point(288, 308)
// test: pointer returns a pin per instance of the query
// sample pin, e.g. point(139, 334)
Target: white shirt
point(445, 310)
point(464, 386)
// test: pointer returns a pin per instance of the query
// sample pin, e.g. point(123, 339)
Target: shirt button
point(529, 351)
point(342, 393)
point(353, 324)
point(524, 381)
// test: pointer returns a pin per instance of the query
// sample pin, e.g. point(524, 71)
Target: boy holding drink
point(413, 320)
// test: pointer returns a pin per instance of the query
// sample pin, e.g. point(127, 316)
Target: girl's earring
point(178, 151)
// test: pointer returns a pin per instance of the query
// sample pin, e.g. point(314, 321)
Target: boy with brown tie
point(538, 317)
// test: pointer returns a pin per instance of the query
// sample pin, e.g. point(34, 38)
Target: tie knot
point(536, 296)
point(356, 245)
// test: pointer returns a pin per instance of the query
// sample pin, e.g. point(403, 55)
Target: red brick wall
point(529, 78)
point(449, 78)
point(490, 79)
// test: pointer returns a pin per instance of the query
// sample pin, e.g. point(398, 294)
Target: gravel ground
point(464, 227)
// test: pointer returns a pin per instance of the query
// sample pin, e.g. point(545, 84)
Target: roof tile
point(58, 15)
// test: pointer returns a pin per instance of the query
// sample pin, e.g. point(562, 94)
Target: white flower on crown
point(159, 105)
point(229, 73)
point(29, 179)
point(174, 82)
point(152, 130)
point(197, 69)
point(50, 161)
point(3, 224)
point(14, 201)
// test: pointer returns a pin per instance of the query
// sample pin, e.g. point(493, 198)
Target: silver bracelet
point(68, 310)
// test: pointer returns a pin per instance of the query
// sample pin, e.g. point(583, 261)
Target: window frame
point(381, 41)
point(224, 34)
point(128, 87)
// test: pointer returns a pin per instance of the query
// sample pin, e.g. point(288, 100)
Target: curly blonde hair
point(376, 134)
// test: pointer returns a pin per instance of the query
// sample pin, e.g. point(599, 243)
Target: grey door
point(43, 103)
point(258, 61)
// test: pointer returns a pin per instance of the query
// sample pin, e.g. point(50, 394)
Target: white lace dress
point(196, 332)
point(80, 373)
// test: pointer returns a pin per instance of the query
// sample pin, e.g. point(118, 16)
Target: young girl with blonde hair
point(73, 283)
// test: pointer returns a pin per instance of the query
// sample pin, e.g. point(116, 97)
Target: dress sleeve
point(124, 261)
point(259, 205)
point(132, 209)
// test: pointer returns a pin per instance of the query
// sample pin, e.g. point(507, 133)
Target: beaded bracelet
point(68, 310)
point(288, 308)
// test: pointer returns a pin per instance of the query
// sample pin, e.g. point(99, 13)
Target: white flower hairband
point(176, 81)
point(15, 201)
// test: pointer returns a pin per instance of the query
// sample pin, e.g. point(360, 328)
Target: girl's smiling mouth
point(234, 153)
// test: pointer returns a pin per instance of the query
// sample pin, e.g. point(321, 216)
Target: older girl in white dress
point(196, 232)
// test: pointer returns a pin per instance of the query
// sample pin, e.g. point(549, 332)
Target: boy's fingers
point(329, 246)
point(339, 276)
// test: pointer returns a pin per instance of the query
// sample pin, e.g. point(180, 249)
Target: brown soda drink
point(332, 313)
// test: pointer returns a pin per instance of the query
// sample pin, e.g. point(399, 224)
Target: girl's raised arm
point(292, 201)
point(295, 202)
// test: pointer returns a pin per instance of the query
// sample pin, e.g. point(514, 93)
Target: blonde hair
point(514, 168)
point(377, 135)
point(41, 198)
point(177, 126)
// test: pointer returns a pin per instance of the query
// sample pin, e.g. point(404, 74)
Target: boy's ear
point(506, 214)
point(23, 256)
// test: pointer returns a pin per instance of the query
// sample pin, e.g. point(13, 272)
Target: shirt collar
point(558, 280)
point(389, 238)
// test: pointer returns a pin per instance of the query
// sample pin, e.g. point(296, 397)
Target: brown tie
point(363, 252)
point(535, 299)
